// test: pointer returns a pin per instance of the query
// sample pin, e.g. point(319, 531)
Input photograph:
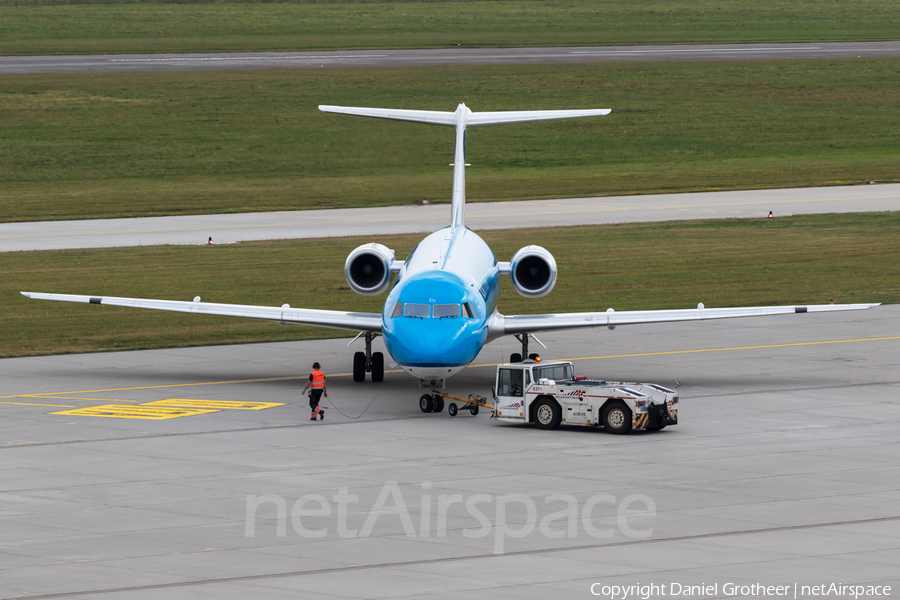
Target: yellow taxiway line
point(68, 396)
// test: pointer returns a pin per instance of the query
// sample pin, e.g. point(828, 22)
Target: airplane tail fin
point(463, 117)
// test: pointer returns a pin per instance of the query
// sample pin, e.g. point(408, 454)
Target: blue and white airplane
point(442, 308)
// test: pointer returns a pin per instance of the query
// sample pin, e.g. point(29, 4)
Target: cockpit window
point(437, 311)
point(470, 311)
point(423, 311)
point(446, 310)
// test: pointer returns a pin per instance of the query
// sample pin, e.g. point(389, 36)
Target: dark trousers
point(314, 396)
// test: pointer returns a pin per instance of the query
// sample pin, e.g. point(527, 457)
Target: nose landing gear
point(433, 402)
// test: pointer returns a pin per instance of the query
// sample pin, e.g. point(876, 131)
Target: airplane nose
point(433, 342)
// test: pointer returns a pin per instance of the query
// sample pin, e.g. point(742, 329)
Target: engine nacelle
point(533, 271)
point(368, 269)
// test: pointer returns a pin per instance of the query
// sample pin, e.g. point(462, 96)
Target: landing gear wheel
point(534, 356)
point(425, 404)
point(547, 414)
point(617, 418)
point(452, 409)
point(437, 403)
point(514, 358)
point(359, 366)
point(377, 367)
point(473, 409)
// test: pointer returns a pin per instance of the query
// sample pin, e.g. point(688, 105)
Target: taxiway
point(439, 57)
point(560, 212)
point(783, 469)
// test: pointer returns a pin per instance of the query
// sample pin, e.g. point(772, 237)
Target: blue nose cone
point(434, 343)
point(432, 339)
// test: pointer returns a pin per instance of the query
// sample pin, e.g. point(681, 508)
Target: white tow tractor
point(550, 394)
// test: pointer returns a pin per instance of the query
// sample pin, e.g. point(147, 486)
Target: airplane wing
point(354, 321)
point(508, 325)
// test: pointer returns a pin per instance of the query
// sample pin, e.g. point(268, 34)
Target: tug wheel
point(617, 417)
point(547, 414)
point(452, 409)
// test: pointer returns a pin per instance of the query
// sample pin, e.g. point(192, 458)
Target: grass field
point(139, 144)
point(110, 27)
point(808, 259)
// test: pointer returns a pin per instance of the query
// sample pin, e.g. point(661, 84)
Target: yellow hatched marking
point(213, 404)
point(118, 411)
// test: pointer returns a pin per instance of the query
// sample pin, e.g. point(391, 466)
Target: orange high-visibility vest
point(318, 379)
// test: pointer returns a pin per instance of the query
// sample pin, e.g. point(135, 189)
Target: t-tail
point(461, 119)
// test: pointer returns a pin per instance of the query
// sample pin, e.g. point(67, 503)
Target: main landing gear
point(523, 338)
point(368, 362)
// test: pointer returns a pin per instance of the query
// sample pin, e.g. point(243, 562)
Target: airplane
point(442, 307)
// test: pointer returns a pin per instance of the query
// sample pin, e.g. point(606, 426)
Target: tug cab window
point(554, 372)
point(509, 382)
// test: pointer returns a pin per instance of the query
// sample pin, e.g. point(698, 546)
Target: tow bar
point(472, 403)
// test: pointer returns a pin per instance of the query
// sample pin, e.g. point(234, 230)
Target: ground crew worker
point(317, 381)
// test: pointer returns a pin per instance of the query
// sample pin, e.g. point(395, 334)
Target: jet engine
point(368, 269)
point(533, 271)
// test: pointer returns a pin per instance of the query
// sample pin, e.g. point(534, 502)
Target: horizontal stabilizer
point(472, 119)
point(521, 116)
point(432, 117)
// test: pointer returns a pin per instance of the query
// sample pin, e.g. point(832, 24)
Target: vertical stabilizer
point(458, 204)
point(460, 119)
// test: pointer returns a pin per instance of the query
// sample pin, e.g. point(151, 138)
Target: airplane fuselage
point(435, 319)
